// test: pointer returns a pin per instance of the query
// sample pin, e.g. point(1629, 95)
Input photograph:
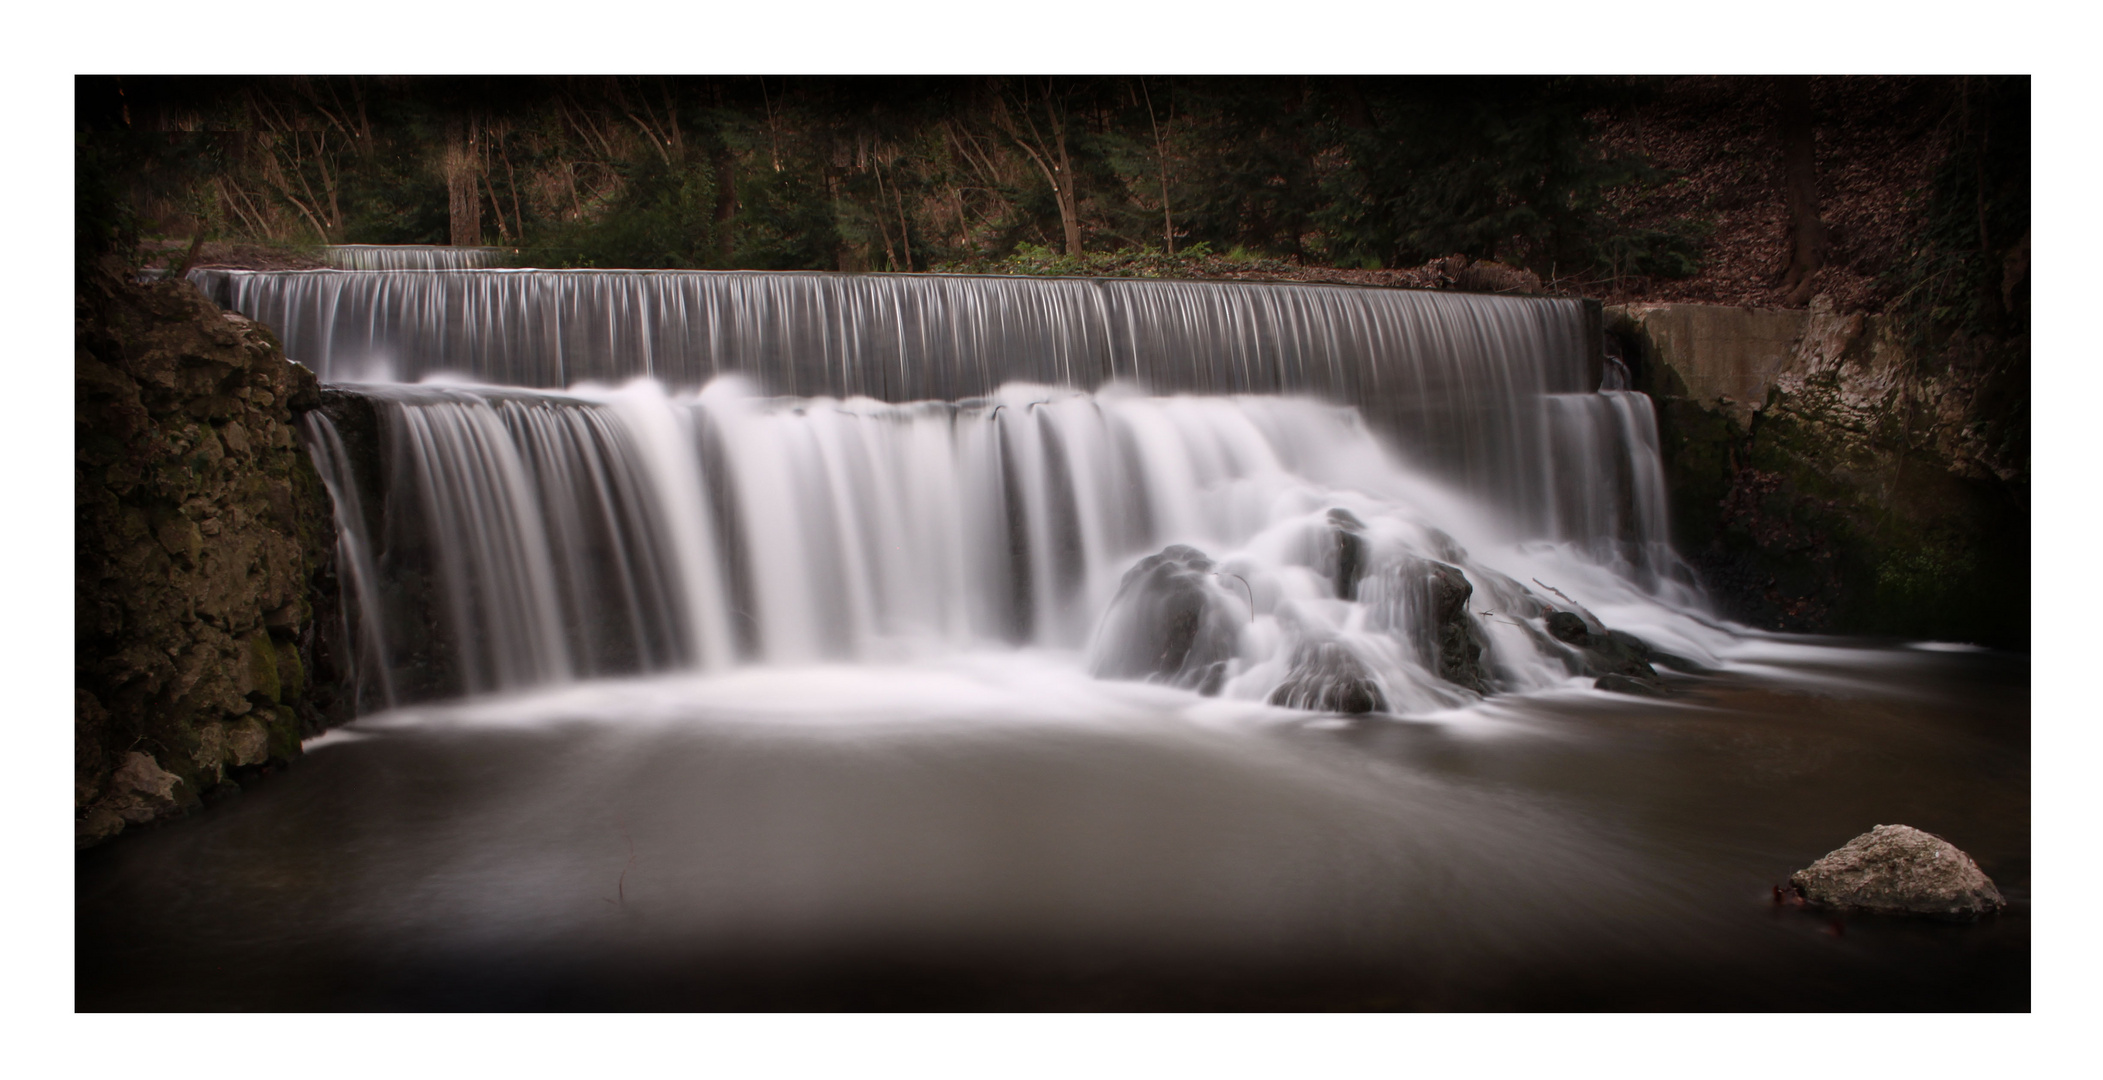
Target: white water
point(634, 472)
point(616, 530)
point(412, 257)
point(1458, 380)
point(755, 673)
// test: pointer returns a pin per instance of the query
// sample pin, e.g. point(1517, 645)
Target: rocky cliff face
point(1828, 474)
point(203, 581)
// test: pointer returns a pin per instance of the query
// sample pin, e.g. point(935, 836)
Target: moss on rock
point(203, 535)
point(1854, 495)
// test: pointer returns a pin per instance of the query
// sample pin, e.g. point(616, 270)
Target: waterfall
point(412, 257)
point(1318, 496)
point(1457, 379)
point(533, 536)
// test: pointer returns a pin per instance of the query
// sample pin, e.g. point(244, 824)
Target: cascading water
point(797, 640)
point(412, 257)
point(526, 536)
point(1487, 392)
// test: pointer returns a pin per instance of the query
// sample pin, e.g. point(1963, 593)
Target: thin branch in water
point(1252, 593)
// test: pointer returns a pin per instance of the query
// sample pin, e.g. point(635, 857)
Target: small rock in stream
point(1899, 870)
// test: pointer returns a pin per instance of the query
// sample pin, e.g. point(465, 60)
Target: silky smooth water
point(1000, 831)
point(1456, 380)
point(765, 641)
point(412, 257)
point(605, 531)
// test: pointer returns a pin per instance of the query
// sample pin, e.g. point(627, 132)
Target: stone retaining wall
point(1828, 475)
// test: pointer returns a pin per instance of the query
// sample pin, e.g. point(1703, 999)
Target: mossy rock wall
point(1826, 475)
point(204, 584)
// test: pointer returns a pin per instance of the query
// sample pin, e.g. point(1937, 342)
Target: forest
point(1687, 188)
point(659, 543)
point(1901, 199)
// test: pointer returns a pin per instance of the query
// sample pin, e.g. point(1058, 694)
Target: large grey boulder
point(1899, 870)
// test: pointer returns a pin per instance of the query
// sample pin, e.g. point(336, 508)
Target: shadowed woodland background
point(1901, 200)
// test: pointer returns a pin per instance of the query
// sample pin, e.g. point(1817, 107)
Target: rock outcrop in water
point(1459, 644)
point(1620, 661)
point(202, 555)
point(1169, 623)
point(1327, 677)
point(1348, 552)
point(1899, 870)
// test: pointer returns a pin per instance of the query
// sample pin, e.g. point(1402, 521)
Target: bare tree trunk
point(463, 195)
point(726, 202)
point(1168, 220)
point(726, 190)
point(1051, 159)
point(905, 235)
point(882, 229)
point(1809, 240)
point(1069, 204)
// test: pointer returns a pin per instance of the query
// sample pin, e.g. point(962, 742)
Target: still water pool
point(999, 831)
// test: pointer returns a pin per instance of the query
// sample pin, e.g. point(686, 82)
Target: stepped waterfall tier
point(1460, 380)
point(801, 640)
point(411, 257)
point(560, 535)
point(708, 510)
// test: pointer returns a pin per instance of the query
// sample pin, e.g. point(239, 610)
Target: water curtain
point(672, 471)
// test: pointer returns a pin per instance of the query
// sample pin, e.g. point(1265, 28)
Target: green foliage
point(1670, 252)
point(1196, 261)
point(785, 222)
point(121, 178)
point(1977, 210)
point(103, 219)
point(395, 198)
point(902, 173)
point(662, 220)
point(1501, 169)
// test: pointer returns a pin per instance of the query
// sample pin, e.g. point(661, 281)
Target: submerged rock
point(1899, 870)
point(1169, 623)
point(1626, 644)
point(1327, 677)
point(1613, 653)
point(1629, 684)
point(1619, 660)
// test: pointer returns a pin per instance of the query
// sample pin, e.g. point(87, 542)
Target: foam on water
point(533, 537)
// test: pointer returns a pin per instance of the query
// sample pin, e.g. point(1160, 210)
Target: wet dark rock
point(1616, 653)
point(1459, 643)
point(1627, 684)
point(1568, 626)
point(1327, 677)
point(1899, 870)
point(1630, 645)
point(1346, 533)
point(1170, 623)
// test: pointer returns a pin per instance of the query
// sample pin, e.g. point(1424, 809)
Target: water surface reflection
point(998, 831)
